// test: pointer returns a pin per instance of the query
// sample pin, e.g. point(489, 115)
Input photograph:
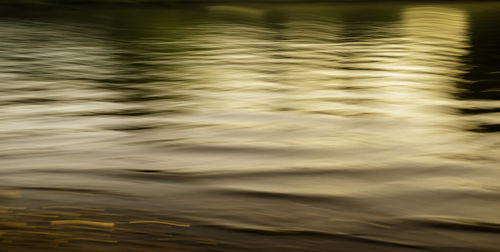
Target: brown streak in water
point(87, 239)
point(198, 240)
point(12, 224)
point(9, 194)
point(363, 222)
point(13, 208)
point(61, 213)
point(46, 233)
point(75, 208)
point(36, 215)
point(83, 222)
point(171, 223)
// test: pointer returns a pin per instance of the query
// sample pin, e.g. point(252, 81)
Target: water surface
point(297, 127)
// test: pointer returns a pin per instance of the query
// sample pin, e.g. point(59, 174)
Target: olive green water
point(280, 127)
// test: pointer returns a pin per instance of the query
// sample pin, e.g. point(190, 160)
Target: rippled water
point(297, 127)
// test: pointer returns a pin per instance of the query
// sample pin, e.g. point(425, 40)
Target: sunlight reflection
point(308, 122)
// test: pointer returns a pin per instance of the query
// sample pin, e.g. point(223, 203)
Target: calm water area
point(250, 127)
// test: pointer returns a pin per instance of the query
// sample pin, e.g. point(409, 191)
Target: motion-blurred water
point(297, 127)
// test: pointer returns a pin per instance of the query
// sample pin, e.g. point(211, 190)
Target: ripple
point(272, 127)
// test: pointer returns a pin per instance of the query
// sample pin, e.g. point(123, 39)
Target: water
point(278, 127)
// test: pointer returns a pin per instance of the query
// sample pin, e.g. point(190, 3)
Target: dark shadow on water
point(483, 79)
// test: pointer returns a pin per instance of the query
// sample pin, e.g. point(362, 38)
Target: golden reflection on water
point(273, 121)
point(304, 78)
